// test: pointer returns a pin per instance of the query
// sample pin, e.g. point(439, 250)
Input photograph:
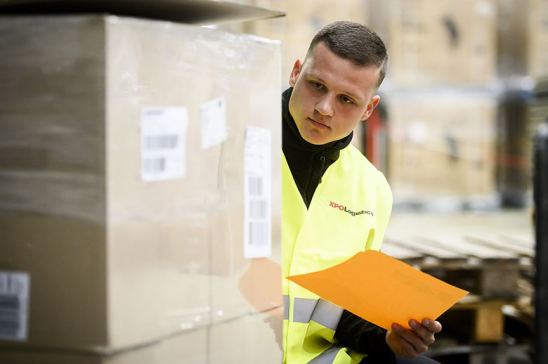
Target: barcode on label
point(255, 186)
point(154, 165)
point(257, 193)
point(258, 233)
point(14, 293)
point(258, 209)
point(9, 303)
point(10, 307)
point(161, 142)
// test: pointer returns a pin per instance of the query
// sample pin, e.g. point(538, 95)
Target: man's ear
point(370, 107)
point(295, 72)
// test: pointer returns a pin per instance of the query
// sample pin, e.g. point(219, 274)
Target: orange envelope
point(382, 289)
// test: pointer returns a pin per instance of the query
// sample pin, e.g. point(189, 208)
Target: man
point(335, 203)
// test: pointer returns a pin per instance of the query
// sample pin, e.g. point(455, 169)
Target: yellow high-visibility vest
point(348, 213)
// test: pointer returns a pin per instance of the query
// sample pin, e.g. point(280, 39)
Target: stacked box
point(139, 174)
point(513, 18)
point(248, 339)
point(442, 146)
point(522, 38)
point(523, 67)
point(438, 42)
point(259, 339)
point(187, 347)
point(538, 39)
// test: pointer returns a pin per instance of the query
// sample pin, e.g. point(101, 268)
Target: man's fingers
point(410, 337)
point(408, 349)
point(403, 348)
point(433, 326)
point(424, 333)
point(415, 341)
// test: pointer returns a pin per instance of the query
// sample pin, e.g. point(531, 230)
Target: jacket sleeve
point(362, 336)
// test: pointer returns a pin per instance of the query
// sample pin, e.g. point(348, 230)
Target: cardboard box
point(123, 162)
point(513, 29)
point(438, 42)
point(259, 340)
point(538, 38)
point(187, 347)
point(522, 38)
point(441, 145)
point(248, 339)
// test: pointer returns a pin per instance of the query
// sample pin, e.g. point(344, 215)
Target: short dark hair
point(355, 42)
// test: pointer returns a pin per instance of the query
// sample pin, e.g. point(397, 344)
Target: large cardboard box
point(134, 157)
point(522, 39)
point(442, 146)
point(258, 339)
point(434, 42)
point(513, 28)
point(248, 339)
point(538, 31)
point(190, 346)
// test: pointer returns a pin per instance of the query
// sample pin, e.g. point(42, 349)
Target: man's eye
point(346, 100)
point(316, 85)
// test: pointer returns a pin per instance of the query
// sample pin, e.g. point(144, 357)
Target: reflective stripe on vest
point(327, 314)
point(286, 307)
point(303, 308)
point(327, 357)
point(323, 312)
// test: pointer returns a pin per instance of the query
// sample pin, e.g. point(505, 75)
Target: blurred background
point(101, 260)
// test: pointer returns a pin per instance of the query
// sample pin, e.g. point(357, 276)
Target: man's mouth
point(318, 124)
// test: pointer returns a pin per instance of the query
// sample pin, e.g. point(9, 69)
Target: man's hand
point(411, 343)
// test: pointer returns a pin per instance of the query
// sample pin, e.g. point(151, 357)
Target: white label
point(257, 193)
point(163, 143)
point(14, 298)
point(213, 121)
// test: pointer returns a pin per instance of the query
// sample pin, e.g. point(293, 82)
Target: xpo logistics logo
point(348, 211)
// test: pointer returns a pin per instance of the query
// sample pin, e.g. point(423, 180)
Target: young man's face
point(331, 95)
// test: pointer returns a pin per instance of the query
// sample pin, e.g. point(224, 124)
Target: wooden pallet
point(474, 263)
point(490, 255)
point(475, 320)
point(482, 353)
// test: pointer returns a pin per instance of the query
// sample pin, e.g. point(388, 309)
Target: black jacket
point(308, 163)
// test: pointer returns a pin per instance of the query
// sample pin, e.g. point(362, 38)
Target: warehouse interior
point(140, 179)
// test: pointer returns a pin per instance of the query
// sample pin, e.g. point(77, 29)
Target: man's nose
point(324, 106)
